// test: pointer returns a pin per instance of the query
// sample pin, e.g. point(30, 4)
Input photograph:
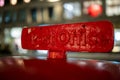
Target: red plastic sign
point(85, 37)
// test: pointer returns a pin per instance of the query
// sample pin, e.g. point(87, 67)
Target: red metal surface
point(56, 55)
point(86, 37)
point(35, 69)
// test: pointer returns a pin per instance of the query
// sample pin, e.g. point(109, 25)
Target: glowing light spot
point(53, 0)
point(2, 3)
point(117, 36)
point(29, 31)
point(27, 1)
point(13, 2)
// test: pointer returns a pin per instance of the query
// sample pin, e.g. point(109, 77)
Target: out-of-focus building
point(16, 14)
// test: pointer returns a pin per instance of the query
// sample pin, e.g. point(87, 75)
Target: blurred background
point(16, 14)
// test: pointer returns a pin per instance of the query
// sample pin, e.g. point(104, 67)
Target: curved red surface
point(57, 69)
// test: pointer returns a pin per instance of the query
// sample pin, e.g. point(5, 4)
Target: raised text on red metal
point(81, 37)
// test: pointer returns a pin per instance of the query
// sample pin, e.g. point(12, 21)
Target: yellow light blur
point(116, 49)
point(53, 0)
point(27, 1)
point(13, 2)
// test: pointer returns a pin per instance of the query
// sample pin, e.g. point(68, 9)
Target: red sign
point(85, 37)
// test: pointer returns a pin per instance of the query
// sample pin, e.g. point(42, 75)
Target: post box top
point(36, 69)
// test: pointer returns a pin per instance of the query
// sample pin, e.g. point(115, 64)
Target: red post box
point(88, 37)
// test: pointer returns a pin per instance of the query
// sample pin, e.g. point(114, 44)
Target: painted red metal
point(56, 54)
point(81, 37)
point(35, 69)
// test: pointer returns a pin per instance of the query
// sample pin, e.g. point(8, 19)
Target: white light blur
point(27, 1)
point(82, 63)
point(112, 8)
point(109, 11)
point(40, 57)
point(68, 7)
point(13, 2)
point(115, 62)
point(117, 36)
point(2, 2)
point(109, 2)
point(116, 10)
point(116, 49)
point(119, 10)
point(96, 6)
point(17, 41)
point(100, 65)
point(42, 52)
point(53, 0)
point(72, 10)
point(16, 32)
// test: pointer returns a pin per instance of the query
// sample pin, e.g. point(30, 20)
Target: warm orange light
point(27, 1)
point(53, 0)
point(56, 55)
point(13, 2)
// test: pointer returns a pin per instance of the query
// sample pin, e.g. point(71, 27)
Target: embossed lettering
point(63, 37)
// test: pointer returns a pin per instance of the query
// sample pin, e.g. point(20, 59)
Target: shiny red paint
point(57, 69)
point(81, 37)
